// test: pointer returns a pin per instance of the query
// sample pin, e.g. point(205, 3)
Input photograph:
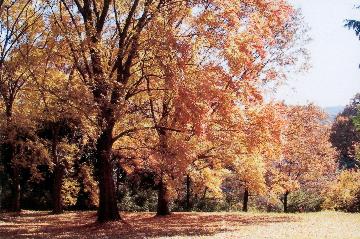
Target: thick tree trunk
point(1, 188)
point(286, 201)
point(118, 176)
point(59, 173)
point(14, 173)
point(15, 190)
point(14, 169)
point(163, 200)
point(108, 210)
point(245, 200)
point(188, 192)
point(163, 193)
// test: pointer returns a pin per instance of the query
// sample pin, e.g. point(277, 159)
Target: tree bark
point(108, 210)
point(163, 200)
point(118, 176)
point(59, 173)
point(188, 192)
point(15, 190)
point(286, 201)
point(163, 193)
point(1, 188)
point(14, 169)
point(245, 200)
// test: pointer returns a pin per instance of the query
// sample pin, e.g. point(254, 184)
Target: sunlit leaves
point(307, 155)
point(343, 193)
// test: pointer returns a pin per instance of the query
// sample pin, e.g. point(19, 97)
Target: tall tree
point(120, 54)
point(195, 68)
point(104, 39)
point(21, 36)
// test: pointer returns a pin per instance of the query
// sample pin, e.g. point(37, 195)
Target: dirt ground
point(32, 224)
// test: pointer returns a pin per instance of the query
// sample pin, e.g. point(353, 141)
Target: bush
point(344, 193)
point(139, 201)
point(305, 201)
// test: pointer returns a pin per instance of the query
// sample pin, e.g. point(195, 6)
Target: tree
point(344, 135)
point(308, 158)
point(63, 136)
point(104, 40)
point(259, 146)
point(353, 25)
point(220, 96)
point(88, 196)
point(111, 45)
point(20, 39)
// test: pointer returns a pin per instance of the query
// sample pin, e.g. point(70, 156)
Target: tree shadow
point(133, 225)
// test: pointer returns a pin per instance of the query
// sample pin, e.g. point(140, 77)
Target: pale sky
point(335, 51)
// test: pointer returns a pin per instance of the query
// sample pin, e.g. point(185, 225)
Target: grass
point(31, 224)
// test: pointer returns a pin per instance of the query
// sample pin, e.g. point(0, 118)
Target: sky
point(335, 56)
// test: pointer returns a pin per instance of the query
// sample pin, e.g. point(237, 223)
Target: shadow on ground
point(29, 224)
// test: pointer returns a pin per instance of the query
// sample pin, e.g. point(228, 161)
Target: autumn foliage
point(99, 96)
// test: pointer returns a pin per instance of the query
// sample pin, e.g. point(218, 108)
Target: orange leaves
point(207, 66)
point(307, 155)
point(170, 84)
point(258, 145)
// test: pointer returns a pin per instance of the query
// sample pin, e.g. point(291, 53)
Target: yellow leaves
point(250, 170)
point(29, 154)
point(211, 180)
point(89, 184)
point(67, 152)
point(69, 191)
point(343, 192)
point(169, 87)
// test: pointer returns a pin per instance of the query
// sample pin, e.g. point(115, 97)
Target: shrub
point(344, 193)
point(304, 200)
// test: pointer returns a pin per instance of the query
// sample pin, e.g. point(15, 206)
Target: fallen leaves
point(31, 224)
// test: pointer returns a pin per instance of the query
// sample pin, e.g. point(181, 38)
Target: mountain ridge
point(333, 111)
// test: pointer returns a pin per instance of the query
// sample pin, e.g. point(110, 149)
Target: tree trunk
point(59, 173)
point(118, 176)
point(163, 200)
point(163, 193)
point(245, 200)
point(204, 194)
point(1, 188)
point(286, 201)
point(188, 192)
point(15, 190)
point(108, 210)
point(14, 169)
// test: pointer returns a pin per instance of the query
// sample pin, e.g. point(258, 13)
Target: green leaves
point(356, 121)
point(353, 25)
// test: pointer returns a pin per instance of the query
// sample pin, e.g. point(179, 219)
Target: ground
point(31, 224)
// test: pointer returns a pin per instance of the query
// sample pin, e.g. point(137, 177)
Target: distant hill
point(333, 111)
